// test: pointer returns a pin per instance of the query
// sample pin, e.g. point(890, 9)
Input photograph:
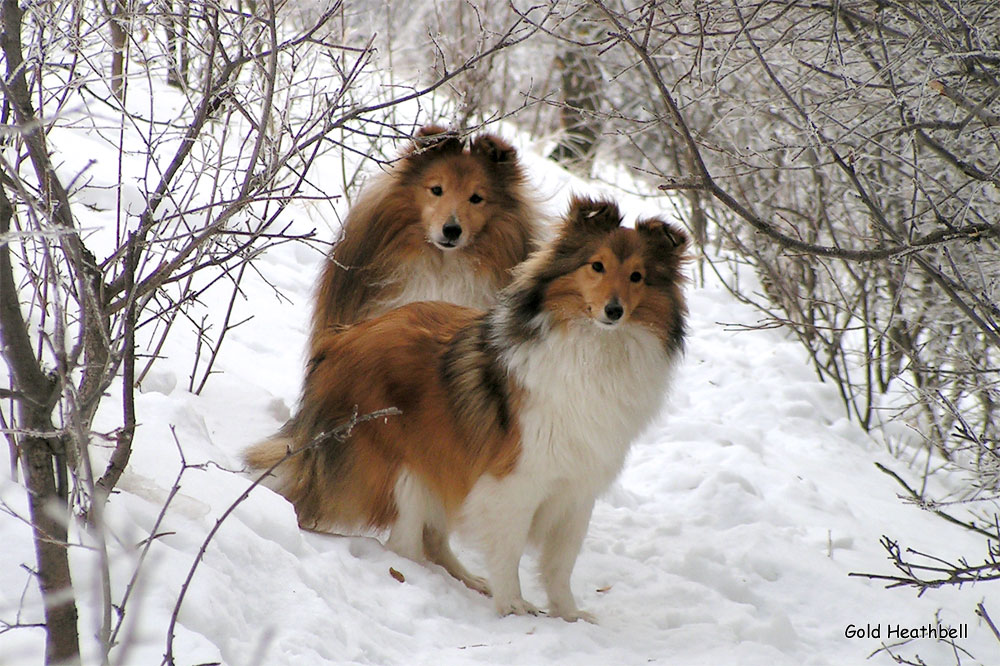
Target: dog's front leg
point(499, 512)
point(560, 528)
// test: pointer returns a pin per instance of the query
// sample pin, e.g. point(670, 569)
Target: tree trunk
point(40, 460)
point(43, 462)
point(581, 98)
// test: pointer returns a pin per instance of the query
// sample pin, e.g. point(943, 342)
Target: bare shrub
point(105, 255)
point(850, 154)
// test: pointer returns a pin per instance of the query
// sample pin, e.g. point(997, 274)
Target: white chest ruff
point(590, 392)
point(453, 278)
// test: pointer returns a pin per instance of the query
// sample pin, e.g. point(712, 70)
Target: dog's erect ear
point(588, 214)
point(437, 139)
point(494, 148)
point(668, 237)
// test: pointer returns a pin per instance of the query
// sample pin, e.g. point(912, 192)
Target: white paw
point(573, 615)
point(516, 607)
point(478, 584)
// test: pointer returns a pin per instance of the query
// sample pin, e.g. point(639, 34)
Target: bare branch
point(341, 432)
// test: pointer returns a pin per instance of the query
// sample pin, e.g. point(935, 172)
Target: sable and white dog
point(447, 222)
point(511, 422)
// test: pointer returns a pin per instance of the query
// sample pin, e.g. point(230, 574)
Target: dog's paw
point(517, 607)
point(478, 584)
point(573, 615)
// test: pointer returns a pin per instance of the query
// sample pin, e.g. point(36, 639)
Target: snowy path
point(728, 539)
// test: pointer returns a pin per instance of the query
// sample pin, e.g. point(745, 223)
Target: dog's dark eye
point(475, 198)
point(598, 267)
point(437, 190)
point(635, 277)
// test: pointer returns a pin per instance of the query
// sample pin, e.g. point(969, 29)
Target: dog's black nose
point(451, 230)
point(614, 311)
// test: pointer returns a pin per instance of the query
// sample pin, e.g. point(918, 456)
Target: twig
point(341, 432)
point(957, 574)
point(977, 110)
point(981, 612)
point(225, 329)
point(123, 446)
point(148, 542)
point(924, 505)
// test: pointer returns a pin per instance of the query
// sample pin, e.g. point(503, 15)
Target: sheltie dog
point(447, 222)
point(511, 422)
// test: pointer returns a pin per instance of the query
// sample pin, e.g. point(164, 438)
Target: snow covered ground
point(728, 539)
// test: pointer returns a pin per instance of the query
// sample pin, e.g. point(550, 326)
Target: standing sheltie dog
point(447, 222)
point(511, 421)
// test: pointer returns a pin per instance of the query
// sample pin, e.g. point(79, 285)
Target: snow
point(728, 539)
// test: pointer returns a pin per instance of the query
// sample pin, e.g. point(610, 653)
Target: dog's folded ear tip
point(494, 147)
point(431, 130)
point(584, 210)
point(665, 231)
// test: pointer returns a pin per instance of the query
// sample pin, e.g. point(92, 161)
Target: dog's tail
point(269, 454)
point(298, 471)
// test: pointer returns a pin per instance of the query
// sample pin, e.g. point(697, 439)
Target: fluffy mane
point(383, 237)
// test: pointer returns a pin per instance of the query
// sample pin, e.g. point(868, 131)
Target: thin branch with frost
point(924, 571)
point(339, 433)
point(215, 182)
point(981, 612)
point(916, 497)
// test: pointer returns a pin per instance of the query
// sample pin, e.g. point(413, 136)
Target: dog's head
point(600, 272)
point(458, 186)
